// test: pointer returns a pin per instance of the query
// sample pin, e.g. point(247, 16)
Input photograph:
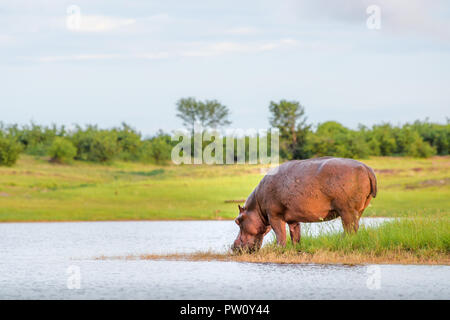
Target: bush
point(333, 139)
point(129, 142)
point(62, 150)
point(104, 147)
point(411, 144)
point(95, 145)
point(381, 140)
point(9, 151)
point(419, 139)
point(157, 149)
point(36, 139)
point(419, 148)
point(437, 135)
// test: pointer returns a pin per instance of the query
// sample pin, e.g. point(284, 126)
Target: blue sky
point(132, 60)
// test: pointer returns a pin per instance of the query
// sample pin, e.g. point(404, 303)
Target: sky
point(106, 62)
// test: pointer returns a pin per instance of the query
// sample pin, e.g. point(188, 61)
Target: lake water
point(50, 260)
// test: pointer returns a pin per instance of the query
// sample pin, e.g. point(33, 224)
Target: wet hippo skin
point(312, 190)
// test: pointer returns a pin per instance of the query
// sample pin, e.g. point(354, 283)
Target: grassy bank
point(402, 241)
point(36, 190)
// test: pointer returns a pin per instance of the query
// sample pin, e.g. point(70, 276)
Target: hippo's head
point(252, 230)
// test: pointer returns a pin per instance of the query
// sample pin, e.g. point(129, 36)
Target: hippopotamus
point(312, 190)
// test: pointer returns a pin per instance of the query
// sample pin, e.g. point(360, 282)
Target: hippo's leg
point(294, 230)
point(279, 227)
point(350, 220)
point(366, 204)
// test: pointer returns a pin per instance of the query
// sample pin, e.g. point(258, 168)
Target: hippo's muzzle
point(241, 246)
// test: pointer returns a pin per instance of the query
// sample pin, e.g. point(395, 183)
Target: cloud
point(79, 57)
point(220, 48)
point(182, 50)
point(94, 23)
point(160, 17)
point(242, 31)
point(414, 17)
point(152, 55)
point(103, 56)
point(5, 39)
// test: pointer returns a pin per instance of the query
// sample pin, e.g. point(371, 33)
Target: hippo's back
point(316, 183)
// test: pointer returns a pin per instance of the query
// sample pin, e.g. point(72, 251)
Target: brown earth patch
point(429, 183)
point(235, 201)
point(386, 171)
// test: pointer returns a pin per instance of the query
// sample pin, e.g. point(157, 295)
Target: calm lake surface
point(46, 260)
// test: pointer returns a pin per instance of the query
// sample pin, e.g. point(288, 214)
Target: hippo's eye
point(237, 221)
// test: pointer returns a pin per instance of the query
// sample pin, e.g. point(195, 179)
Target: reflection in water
point(35, 257)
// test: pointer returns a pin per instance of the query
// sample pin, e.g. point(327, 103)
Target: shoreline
point(323, 257)
point(157, 220)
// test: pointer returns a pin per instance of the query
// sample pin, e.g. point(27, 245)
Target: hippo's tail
point(373, 181)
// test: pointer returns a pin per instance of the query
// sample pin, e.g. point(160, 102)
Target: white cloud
point(219, 48)
point(185, 50)
point(152, 55)
point(5, 39)
point(94, 23)
point(79, 57)
point(102, 56)
point(415, 17)
point(242, 31)
point(160, 17)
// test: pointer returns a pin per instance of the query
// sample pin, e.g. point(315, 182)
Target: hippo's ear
point(240, 208)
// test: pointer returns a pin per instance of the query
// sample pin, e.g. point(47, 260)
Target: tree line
point(298, 138)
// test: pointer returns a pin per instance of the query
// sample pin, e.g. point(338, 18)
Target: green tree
point(208, 113)
point(417, 147)
point(410, 143)
point(157, 149)
point(104, 147)
point(333, 139)
point(381, 140)
point(437, 135)
point(129, 142)
point(62, 150)
point(9, 150)
point(36, 139)
point(288, 117)
point(95, 145)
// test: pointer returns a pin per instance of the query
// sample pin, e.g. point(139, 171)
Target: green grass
point(418, 240)
point(422, 236)
point(36, 190)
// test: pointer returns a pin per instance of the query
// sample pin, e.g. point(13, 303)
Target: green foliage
point(298, 140)
point(62, 150)
point(418, 148)
point(129, 143)
point(157, 149)
point(9, 150)
point(381, 140)
point(420, 140)
point(208, 113)
point(94, 144)
point(410, 143)
point(288, 117)
point(104, 147)
point(437, 135)
point(333, 139)
point(36, 139)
